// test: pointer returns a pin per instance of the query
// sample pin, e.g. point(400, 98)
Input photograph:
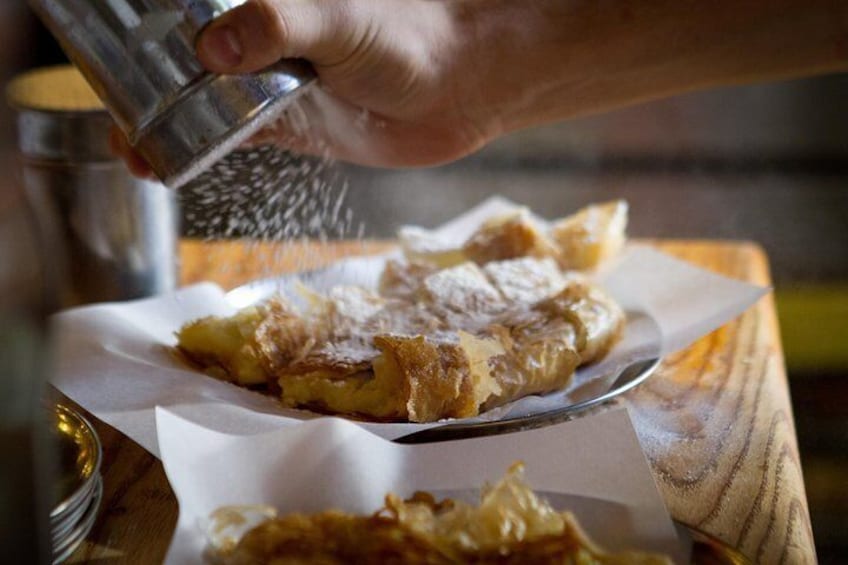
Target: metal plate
point(631, 376)
point(61, 525)
point(64, 546)
point(79, 463)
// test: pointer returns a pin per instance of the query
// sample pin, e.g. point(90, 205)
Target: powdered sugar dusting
point(266, 194)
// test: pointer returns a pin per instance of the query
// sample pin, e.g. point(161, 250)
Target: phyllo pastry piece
point(526, 280)
point(226, 347)
point(591, 236)
point(438, 379)
point(580, 241)
point(337, 374)
point(423, 246)
point(510, 524)
point(509, 237)
point(244, 348)
point(407, 360)
point(462, 292)
point(402, 280)
point(545, 344)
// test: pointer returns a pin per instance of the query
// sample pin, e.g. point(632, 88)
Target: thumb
point(259, 33)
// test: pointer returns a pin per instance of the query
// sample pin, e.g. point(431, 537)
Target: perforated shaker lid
point(214, 116)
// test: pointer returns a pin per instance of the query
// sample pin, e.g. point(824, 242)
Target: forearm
point(544, 60)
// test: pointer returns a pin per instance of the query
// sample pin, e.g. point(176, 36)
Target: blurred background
point(766, 163)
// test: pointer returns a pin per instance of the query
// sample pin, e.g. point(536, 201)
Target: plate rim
point(458, 430)
point(75, 498)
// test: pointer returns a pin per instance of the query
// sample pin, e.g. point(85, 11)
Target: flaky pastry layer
point(511, 524)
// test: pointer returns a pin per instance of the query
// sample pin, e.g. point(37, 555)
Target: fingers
point(122, 148)
point(261, 32)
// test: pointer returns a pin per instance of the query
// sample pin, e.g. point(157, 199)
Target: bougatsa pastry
point(511, 524)
point(580, 241)
point(436, 340)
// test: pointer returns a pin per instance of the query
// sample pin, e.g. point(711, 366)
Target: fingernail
point(221, 47)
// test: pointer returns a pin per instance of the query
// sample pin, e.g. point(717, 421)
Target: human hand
point(388, 90)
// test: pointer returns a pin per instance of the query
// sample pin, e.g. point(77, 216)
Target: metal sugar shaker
point(119, 233)
point(139, 56)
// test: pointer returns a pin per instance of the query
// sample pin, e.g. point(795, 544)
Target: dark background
point(767, 163)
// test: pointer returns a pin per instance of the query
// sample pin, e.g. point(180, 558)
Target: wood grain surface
point(715, 421)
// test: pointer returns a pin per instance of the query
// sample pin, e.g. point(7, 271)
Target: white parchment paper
point(593, 467)
point(113, 359)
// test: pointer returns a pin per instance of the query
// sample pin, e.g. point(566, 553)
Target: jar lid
point(59, 117)
point(58, 89)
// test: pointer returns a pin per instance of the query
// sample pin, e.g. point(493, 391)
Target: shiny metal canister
point(119, 232)
point(139, 56)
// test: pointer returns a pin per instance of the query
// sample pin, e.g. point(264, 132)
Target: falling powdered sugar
point(265, 194)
